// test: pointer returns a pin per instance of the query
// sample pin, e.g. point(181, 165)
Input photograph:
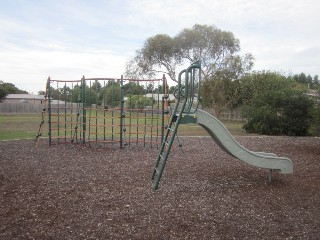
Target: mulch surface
point(73, 192)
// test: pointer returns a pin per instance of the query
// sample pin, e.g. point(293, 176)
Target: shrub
point(139, 101)
point(286, 111)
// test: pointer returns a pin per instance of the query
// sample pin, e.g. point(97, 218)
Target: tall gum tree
point(217, 49)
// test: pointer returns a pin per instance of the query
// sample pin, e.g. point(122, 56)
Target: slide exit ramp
point(224, 139)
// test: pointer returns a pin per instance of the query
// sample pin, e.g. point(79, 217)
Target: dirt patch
point(71, 192)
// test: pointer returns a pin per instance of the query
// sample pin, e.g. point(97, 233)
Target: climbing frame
point(105, 111)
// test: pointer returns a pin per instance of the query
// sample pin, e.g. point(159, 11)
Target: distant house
point(155, 96)
point(55, 102)
point(23, 98)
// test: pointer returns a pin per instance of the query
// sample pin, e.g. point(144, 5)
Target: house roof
point(24, 96)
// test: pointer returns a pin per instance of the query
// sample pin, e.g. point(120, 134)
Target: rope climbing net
point(104, 111)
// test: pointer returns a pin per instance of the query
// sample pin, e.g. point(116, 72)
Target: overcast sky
point(66, 39)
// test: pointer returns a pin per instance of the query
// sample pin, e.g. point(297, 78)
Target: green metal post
point(90, 106)
point(49, 110)
point(84, 111)
point(121, 112)
point(162, 110)
point(97, 99)
point(162, 119)
point(112, 112)
point(145, 116)
point(137, 116)
point(65, 112)
point(151, 130)
point(58, 113)
point(158, 108)
point(79, 108)
point(130, 120)
point(104, 111)
point(71, 112)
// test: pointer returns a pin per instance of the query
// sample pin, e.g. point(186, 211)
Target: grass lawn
point(19, 126)
point(234, 127)
point(23, 126)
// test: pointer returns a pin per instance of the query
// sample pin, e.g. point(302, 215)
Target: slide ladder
point(171, 132)
point(182, 109)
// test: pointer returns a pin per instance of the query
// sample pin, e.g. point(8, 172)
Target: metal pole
point(163, 105)
point(97, 99)
point(65, 112)
point(58, 112)
point(84, 112)
point(158, 108)
point(270, 175)
point(104, 112)
point(145, 116)
point(112, 112)
point(49, 109)
point(71, 113)
point(137, 115)
point(121, 112)
point(152, 112)
point(130, 115)
point(90, 106)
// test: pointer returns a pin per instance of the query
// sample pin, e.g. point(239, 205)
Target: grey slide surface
point(224, 139)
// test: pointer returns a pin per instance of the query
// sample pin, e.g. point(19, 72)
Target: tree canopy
point(217, 50)
point(8, 88)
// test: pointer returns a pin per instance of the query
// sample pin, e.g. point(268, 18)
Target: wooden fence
point(228, 114)
point(21, 108)
point(231, 115)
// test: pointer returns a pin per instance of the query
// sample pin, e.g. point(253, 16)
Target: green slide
point(224, 139)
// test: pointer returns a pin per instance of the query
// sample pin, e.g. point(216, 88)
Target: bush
point(315, 126)
point(286, 111)
point(139, 101)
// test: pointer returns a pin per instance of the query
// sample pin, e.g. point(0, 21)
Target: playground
point(98, 173)
point(63, 192)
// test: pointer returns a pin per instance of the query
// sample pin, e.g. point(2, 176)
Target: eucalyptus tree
point(158, 55)
point(217, 50)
